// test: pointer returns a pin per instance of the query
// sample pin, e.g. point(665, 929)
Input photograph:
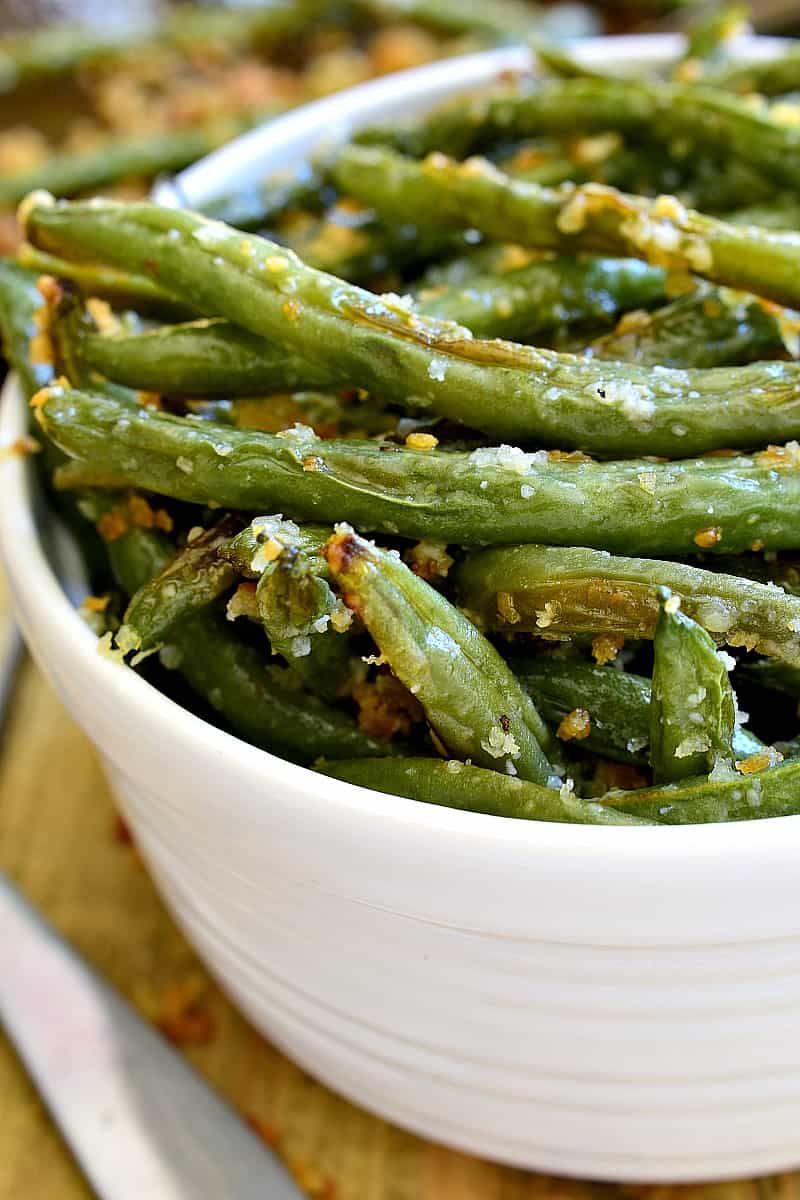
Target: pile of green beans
point(508, 540)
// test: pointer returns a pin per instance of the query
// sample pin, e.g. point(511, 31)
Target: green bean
point(545, 295)
point(775, 675)
point(553, 591)
point(503, 389)
point(651, 508)
point(712, 121)
point(67, 322)
point(692, 708)
point(707, 37)
point(501, 20)
point(295, 602)
point(69, 173)
point(93, 279)
point(769, 77)
point(474, 789)
point(192, 580)
point(205, 357)
point(20, 300)
point(472, 701)
point(232, 677)
point(441, 193)
point(724, 796)
point(711, 327)
point(781, 212)
point(618, 704)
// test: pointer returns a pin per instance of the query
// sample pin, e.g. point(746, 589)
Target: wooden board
point(60, 843)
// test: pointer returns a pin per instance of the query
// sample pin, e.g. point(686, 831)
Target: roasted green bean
point(709, 120)
point(305, 622)
point(495, 495)
point(473, 702)
point(617, 703)
point(474, 789)
point(692, 706)
point(504, 389)
point(708, 328)
point(192, 580)
point(231, 676)
point(773, 790)
point(440, 193)
point(555, 592)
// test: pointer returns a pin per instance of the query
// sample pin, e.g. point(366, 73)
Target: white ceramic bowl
point(616, 1003)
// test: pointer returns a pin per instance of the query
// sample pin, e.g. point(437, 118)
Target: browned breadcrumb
point(120, 831)
point(760, 761)
point(96, 603)
point(150, 400)
point(182, 1016)
point(706, 538)
point(575, 726)
point(606, 647)
point(243, 602)
point(568, 456)
point(113, 525)
point(421, 441)
point(429, 560)
point(21, 447)
point(144, 516)
point(506, 608)
point(269, 1133)
point(386, 708)
point(132, 512)
point(40, 349)
point(612, 775)
point(780, 456)
point(103, 315)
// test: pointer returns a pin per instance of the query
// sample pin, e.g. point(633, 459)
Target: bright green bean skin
point(233, 677)
point(441, 193)
point(774, 792)
point(546, 295)
point(649, 508)
point(68, 174)
point(706, 329)
point(501, 20)
point(20, 300)
point(779, 212)
point(120, 287)
point(773, 77)
point(205, 357)
point(618, 703)
point(715, 122)
point(504, 389)
point(692, 707)
point(553, 591)
point(775, 675)
point(293, 595)
point(474, 789)
point(708, 34)
point(474, 704)
point(192, 580)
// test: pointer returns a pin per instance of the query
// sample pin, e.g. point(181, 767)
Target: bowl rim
point(42, 602)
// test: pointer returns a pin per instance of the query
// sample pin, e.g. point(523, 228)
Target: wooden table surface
point(61, 843)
